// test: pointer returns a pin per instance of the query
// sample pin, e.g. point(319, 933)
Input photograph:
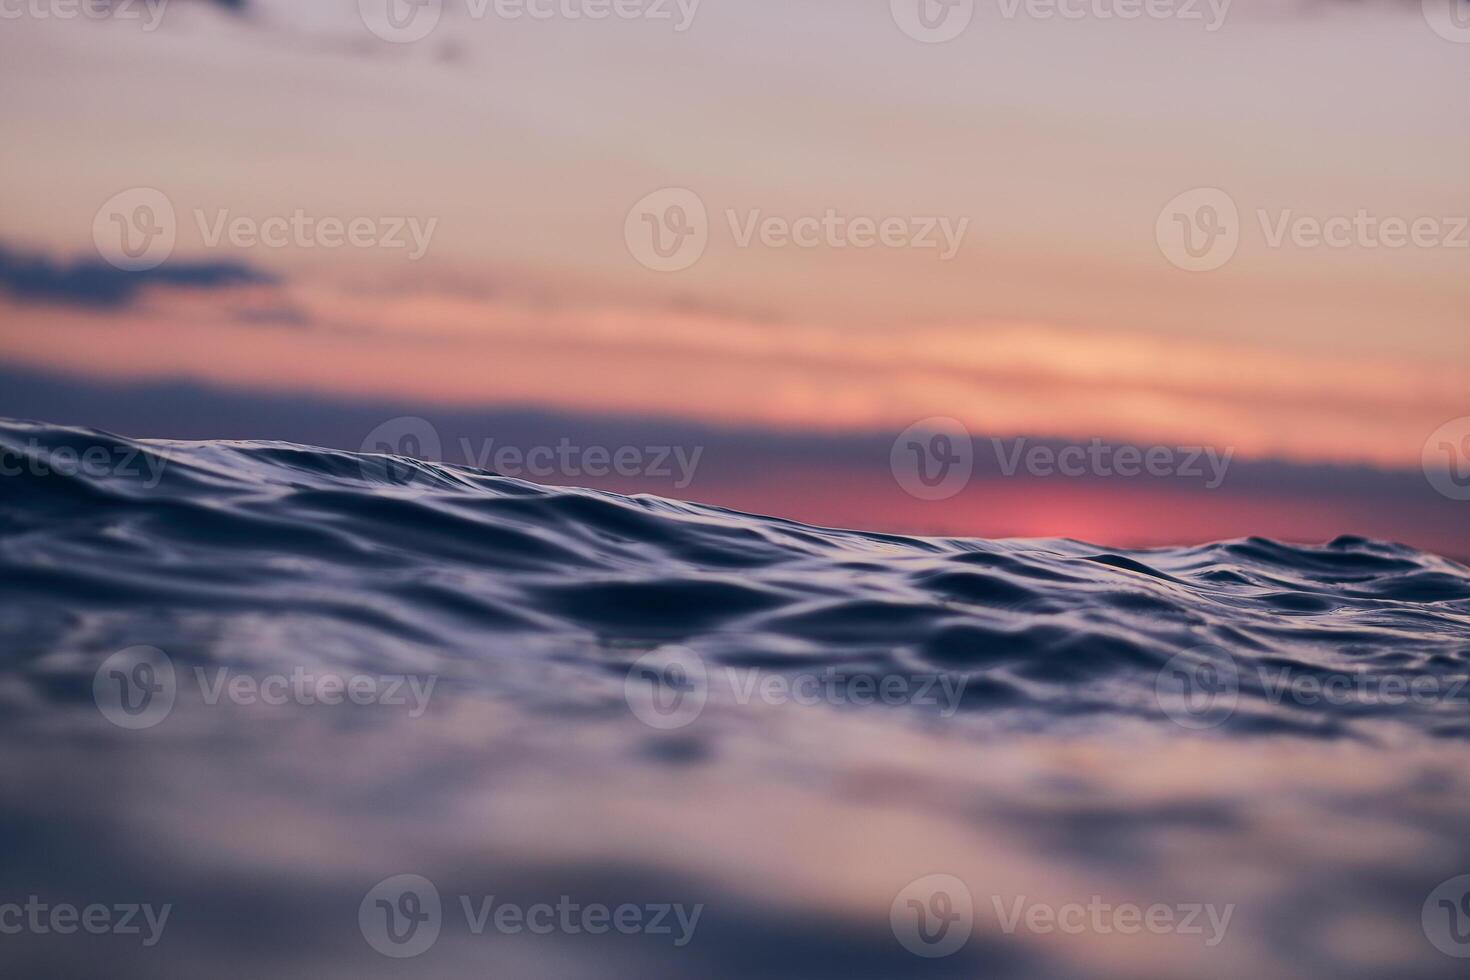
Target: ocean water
point(362, 716)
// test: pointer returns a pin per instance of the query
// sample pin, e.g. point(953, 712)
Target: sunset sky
point(524, 144)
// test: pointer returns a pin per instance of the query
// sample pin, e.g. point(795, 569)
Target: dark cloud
point(94, 284)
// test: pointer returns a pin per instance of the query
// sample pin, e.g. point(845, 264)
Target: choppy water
point(562, 696)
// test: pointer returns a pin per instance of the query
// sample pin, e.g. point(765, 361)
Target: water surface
point(566, 695)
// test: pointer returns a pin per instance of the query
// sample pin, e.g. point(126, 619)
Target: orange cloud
point(450, 348)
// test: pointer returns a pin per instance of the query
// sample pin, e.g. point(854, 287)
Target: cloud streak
point(94, 285)
point(458, 349)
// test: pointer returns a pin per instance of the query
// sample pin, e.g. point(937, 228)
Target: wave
point(405, 559)
point(633, 699)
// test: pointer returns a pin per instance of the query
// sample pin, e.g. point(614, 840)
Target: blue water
point(637, 700)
